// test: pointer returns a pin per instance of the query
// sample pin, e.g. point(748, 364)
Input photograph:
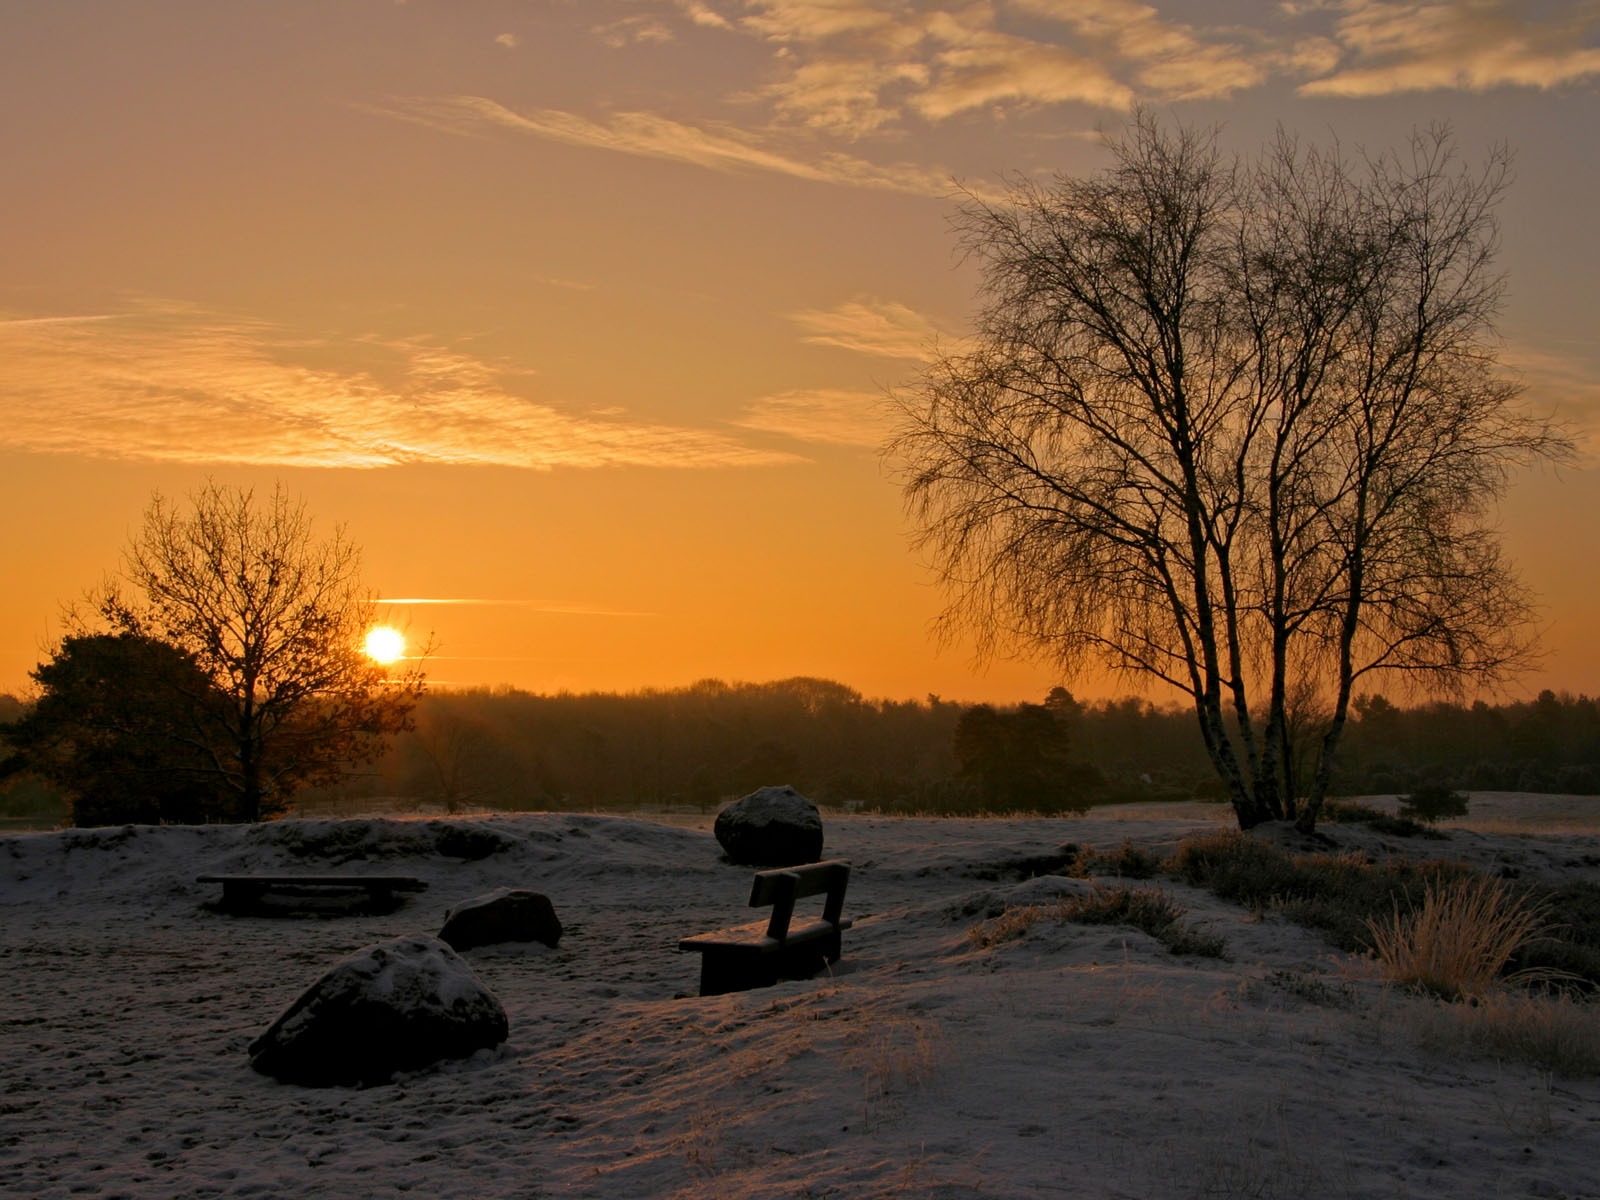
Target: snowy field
point(1078, 1061)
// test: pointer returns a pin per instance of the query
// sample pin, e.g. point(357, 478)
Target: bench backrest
point(781, 888)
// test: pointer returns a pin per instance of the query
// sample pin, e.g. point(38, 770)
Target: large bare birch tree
point(1237, 427)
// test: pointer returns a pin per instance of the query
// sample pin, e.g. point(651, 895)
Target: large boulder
point(771, 827)
point(504, 915)
point(396, 1006)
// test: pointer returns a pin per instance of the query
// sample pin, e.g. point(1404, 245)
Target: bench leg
point(239, 896)
point(724, 973)
point(806, 960)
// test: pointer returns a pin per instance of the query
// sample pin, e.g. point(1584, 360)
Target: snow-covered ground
point(1077, 1061)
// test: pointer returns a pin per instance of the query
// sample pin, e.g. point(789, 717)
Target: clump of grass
point(700, 1142)
point(1234, 867)
point(1344, 895)
point(895, 1056)
point(1313, 989)
point(1353, 812)
point(1574, 966)
point(1336, 894)
point(1556, 1033)
point(1457, 942)
point(1572, 952)
point(1127, 861)
point(1148, 910)
point(1012, 924)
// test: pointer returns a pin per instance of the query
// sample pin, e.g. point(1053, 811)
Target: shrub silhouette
point(1433, 802)
point(121, 726)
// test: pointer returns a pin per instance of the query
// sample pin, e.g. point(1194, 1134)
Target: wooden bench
point(763, 952)
point(248, 893)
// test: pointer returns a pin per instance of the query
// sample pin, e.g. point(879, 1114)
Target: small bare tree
point(1236, 427)
point(275, 620)
point(453, 747)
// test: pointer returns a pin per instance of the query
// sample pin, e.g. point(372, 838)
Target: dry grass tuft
point(1013, 923)
point(700, 1142)
point(1127, 861)
point(1458, 941)
point(1147, 909)
point(896, 1056)
point(1556, 1033)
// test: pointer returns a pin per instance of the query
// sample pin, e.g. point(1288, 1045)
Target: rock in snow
point(771, 827)
point(504, 915)
point(396, 1006)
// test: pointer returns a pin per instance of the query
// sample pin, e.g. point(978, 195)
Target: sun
point(385, 644)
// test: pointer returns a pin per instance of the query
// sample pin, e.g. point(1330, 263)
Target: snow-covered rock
point(771, 827)
point(503, 915)
point(396, 1006)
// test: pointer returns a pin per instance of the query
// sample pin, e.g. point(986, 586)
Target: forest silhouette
point(696, 746)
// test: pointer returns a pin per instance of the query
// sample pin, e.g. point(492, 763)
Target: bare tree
point(1236, 427)
point(453, 746)
point(274, 619)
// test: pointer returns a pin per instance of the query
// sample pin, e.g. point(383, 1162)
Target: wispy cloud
point(867, 325)
point(844, 95)
point(830, 417)
point(993, 68)
point(538, 606)
point(571, 285)
point(854, 69)
point(1404, 46)
point(1562, 382)
point(871, 71)
point(703, 15)
point(633, 30)
point(28, 322)
point(1168, 60)
point(720, 148)
point(855, 66)
point(171, 384)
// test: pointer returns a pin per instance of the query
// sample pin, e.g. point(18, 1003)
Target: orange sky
point(578, 315)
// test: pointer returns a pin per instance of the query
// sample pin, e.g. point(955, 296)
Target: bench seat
point(248, 893)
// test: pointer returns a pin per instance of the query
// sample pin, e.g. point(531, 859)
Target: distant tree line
point(695, 747)
point(689, 746)
point(1548, 744)
point(700, 745)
